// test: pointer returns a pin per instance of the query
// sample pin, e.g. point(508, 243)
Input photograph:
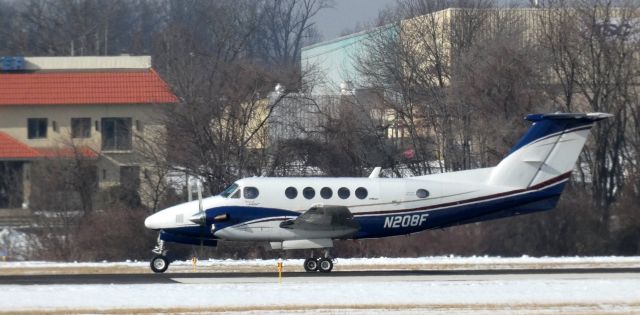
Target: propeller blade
point(200, 217)
point(200, 195)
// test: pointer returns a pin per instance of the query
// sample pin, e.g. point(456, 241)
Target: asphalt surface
point(151, 278)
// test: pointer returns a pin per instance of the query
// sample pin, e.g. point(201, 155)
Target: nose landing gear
point(159, 263)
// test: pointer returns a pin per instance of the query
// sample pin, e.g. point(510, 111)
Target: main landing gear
point(321, 264)
point(159, 263)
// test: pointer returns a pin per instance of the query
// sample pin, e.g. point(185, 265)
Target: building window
point(291, 192)
point(344, 193)
point(130, 178)
point(37, 128)
point(361, 193)
point(116, 134)
point(80, 127)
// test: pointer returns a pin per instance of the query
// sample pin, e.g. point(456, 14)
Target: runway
point(393, 286)
point(240, 277)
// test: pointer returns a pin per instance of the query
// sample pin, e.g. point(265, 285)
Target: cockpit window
point(251, 193)
point(236, 194)
point(229, 190)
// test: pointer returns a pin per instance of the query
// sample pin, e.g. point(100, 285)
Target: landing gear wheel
point(325, 265)
point(159, 264)
point(311, 264)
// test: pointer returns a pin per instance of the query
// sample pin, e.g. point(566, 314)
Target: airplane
point(312, 212)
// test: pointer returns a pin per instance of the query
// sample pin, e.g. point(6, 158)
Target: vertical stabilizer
point(548, 150)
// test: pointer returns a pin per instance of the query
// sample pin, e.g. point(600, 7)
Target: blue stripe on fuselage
point(237, 215)
point(373, 226)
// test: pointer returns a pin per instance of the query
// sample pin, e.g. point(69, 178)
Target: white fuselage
point(397, 196)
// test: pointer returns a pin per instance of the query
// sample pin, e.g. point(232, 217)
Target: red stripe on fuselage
point(461, 202)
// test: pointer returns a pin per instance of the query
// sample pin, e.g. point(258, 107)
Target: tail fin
point(549, 149)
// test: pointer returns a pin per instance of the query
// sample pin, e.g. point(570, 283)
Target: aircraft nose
point(154, 221)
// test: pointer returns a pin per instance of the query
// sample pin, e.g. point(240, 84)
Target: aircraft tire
point(159, 264)
point(325, 265)
point(311, 264)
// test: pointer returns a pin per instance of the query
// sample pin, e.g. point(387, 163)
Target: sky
point(346, 13)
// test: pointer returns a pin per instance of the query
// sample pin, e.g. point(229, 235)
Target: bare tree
point(61, 196)
point(288, 26)
point(594, 57)
point(67, 27)
point(217, 130)
point(411, 60)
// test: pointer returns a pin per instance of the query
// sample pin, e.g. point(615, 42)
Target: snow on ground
point(381, 263)
point(582, 293)
point(13, 243)
point(401, 295)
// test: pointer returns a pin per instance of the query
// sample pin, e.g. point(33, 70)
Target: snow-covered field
point(336, 295)
point(567, 293)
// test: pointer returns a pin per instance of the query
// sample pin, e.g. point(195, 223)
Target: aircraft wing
point(332, 219)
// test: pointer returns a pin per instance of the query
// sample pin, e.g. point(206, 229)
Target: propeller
point(200, 217)
point(202, 214)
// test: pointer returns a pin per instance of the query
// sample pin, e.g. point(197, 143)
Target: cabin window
point(37, 128)
point(422, 193)
point(229, 190)
point(291, 192)
point(251, 193)
point(326, 192)
point(361, 193)
point(344, 193)
point(308, 192)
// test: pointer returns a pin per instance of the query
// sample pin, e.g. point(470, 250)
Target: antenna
point(376, 172)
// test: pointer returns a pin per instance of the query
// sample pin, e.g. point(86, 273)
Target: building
point(76, 107)
point(428, 45)
point(333, 63)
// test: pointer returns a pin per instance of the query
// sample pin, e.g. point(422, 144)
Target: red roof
point(11, 148)
point(78, 88)
point(67, 152)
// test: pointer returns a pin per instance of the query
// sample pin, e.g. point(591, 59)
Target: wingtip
point(599, 115)
point(563, 116)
